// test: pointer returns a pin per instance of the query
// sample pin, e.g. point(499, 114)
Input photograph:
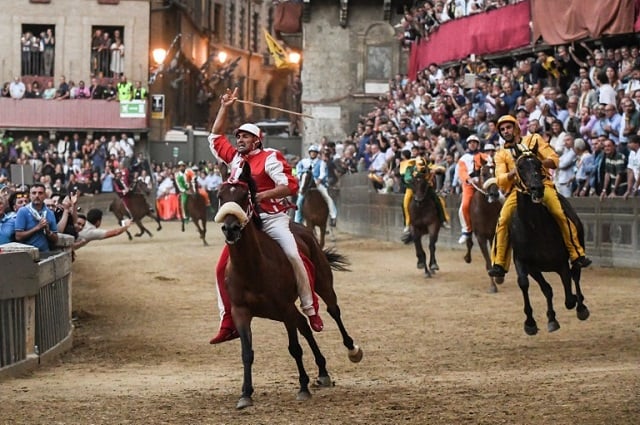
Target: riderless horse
point(538, 245)
point(315, 210)
point(424, 220)
point(260, 282)
point(136, 208)
point(484, 211)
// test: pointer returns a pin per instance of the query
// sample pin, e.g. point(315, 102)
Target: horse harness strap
point(519, 151)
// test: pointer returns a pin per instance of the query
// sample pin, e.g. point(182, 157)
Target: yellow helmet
point(510, 119)
point(421, 164)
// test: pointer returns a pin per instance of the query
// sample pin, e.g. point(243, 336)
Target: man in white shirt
point(17, 88)
point(88, 227)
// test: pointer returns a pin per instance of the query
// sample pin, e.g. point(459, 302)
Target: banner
point(276, 50)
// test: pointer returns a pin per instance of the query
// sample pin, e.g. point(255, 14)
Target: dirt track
point(436, 351)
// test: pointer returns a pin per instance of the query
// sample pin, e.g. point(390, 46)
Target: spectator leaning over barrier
point(88, 227)
point(35, 223)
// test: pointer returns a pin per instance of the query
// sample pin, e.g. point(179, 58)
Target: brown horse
point(260, 282)
point(136, 209)
point(484, 211)
point(424, 220)
point(196, 208)
point(315, 210)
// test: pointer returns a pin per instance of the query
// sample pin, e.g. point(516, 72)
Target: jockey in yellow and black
point(506, 176)
point(410, 169)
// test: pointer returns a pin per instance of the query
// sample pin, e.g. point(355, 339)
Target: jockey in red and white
point(275, 182)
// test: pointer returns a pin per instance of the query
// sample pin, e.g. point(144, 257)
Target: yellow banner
point(276, 50)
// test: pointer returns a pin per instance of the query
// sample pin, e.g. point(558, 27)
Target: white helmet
point(314, 148)
point(489, 147)
point(249, 128)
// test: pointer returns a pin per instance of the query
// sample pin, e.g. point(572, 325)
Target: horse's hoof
point(571, 302)
point(583, 313)
point(323, 381)
point(303, 395)
point(553, 326)
point(421, 265)
point(427, 273)
point(467, 259)
point(434, 267)
point(493, 289)
point(355, 354)
point(531, 330)
point(244, 402)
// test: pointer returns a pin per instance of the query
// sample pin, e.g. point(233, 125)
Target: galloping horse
point(538, 245)
point(196, 209)
point(315, 210)
point(260, 282)
point(136, 209)
point(484, 211)
point(424, 220)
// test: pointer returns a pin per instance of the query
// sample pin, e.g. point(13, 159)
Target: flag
point(276, 50)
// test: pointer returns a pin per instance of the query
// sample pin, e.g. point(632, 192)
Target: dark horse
point(196, 209)
point(136, 209)
point(484, 211)
point(315, 210)
point(424, 220)
point(260, 282)
point(538, 245)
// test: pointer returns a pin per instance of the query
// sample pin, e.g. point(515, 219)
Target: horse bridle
point(250, 210)
point(525, 154)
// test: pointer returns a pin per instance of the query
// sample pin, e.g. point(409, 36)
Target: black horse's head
point(531, 175)
point(420, 180)
point(237, 197)
point(306, 181)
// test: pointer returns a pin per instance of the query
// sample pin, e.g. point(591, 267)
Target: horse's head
point(489, 183)
point(420, 179)
point(237, 197)
point(306, 181)
point(531, 175)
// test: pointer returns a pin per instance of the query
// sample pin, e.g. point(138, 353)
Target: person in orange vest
point(469, 181)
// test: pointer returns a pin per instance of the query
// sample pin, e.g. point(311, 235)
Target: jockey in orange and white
point(275, 182)
point(469, 181)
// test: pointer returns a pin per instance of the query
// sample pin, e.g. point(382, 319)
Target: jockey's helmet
point(512, 120)
point(489, 147)
point(314, 148)
point(249, 128)
point(421, 164)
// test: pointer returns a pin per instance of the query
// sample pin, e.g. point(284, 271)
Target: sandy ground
point(436, 351)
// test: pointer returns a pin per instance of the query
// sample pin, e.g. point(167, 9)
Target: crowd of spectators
point(425, 16)
point(586, 105)
point(120, 89)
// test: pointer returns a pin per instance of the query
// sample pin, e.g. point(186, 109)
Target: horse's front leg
point(547, 290)
point(483, 242)
point(244, 330)
point(156, 219)
point(420, 254)
point(530, 325)
point(433, 238)
point(467, 256)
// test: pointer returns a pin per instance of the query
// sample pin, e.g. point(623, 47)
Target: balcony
point(72, 115)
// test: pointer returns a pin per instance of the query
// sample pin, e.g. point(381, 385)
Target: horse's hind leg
point(582, 312)
point(143, 229)
point(201, 230)
point(294, 323)
point(156, 219)
point(484, 248)
point(467, 256)
point(547, 290)
point(355, 352)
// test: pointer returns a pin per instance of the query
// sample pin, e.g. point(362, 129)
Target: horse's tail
point(337, 261)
